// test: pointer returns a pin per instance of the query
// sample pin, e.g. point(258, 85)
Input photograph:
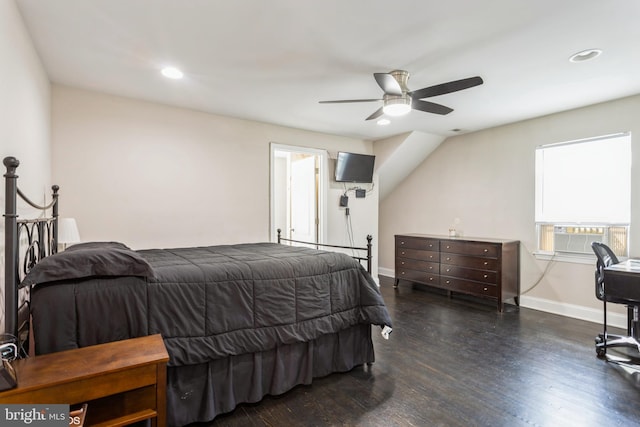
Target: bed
point(239, 321)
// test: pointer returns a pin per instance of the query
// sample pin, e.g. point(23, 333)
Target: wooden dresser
point(122, 382)
point(487, 268)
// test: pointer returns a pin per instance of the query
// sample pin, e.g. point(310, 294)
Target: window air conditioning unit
point(577, 240)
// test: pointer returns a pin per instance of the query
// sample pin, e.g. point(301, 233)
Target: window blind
point(585, 181)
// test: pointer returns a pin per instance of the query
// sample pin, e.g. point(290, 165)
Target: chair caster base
point(601, 350)
point(614, 341)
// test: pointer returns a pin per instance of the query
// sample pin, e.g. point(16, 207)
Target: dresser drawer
point(470, 248)
point(418, 254)
point(469, 261)
point(414, 264)
point(417, 243)
point(418, 276)
point(484, 276)
point(469, 287)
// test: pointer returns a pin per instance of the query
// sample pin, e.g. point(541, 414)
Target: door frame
point(322, 186)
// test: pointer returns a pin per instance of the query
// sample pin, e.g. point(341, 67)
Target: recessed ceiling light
point(383, 122)
point(172, 73)
point(585, 55)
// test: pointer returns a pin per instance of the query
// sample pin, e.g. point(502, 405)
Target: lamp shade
point(68, 231)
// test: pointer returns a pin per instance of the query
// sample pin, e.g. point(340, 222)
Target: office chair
point(605, 258)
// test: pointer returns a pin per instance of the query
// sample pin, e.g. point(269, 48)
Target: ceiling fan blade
point(344, 101)
point(449, 87)
point(388, 84)
point(375, 115)
point(430, 107)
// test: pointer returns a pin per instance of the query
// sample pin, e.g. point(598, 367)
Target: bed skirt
point(198, 393)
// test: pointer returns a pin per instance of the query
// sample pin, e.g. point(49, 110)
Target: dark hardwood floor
point(458, 362)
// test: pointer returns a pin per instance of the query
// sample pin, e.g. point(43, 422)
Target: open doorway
point(298, 193)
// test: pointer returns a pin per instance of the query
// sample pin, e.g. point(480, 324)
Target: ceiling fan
point(398, 99)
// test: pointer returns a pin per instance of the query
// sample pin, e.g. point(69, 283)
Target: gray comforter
point(212, 302)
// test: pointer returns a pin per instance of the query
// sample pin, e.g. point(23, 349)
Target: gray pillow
point(97, 245)
point(88, 261)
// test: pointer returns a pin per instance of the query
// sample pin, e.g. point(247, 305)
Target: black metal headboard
point(27, 241)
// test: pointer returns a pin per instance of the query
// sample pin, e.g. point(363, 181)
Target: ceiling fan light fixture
point(398, 100)
point(397, 106)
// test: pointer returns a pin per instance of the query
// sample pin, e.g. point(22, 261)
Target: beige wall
point(24, 116)
point(151, 175)
point(24, 103)
point(486, 179)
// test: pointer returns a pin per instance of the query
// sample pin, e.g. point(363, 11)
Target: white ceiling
point(273, 60)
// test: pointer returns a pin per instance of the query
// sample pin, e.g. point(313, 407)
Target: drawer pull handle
point(430, 278)
point(486, 250)
point(448, 259)
point(447, 282)
point(485, 276)
point(402, 253)
point(448, 270)
point(430, 268)
point(485, 289)
point(448, 246)
point(430, 246)
point(402, 272)
point(485, 263)
point(403, 264)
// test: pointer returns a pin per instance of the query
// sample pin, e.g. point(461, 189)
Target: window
point(583, 194)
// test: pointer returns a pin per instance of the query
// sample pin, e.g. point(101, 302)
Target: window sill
point(566, 257)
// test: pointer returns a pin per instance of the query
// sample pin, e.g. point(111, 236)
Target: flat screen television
point(352, 167)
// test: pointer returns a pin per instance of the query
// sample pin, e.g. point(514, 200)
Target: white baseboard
point(563, 309)
point(575, 311)
point(386, 272)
